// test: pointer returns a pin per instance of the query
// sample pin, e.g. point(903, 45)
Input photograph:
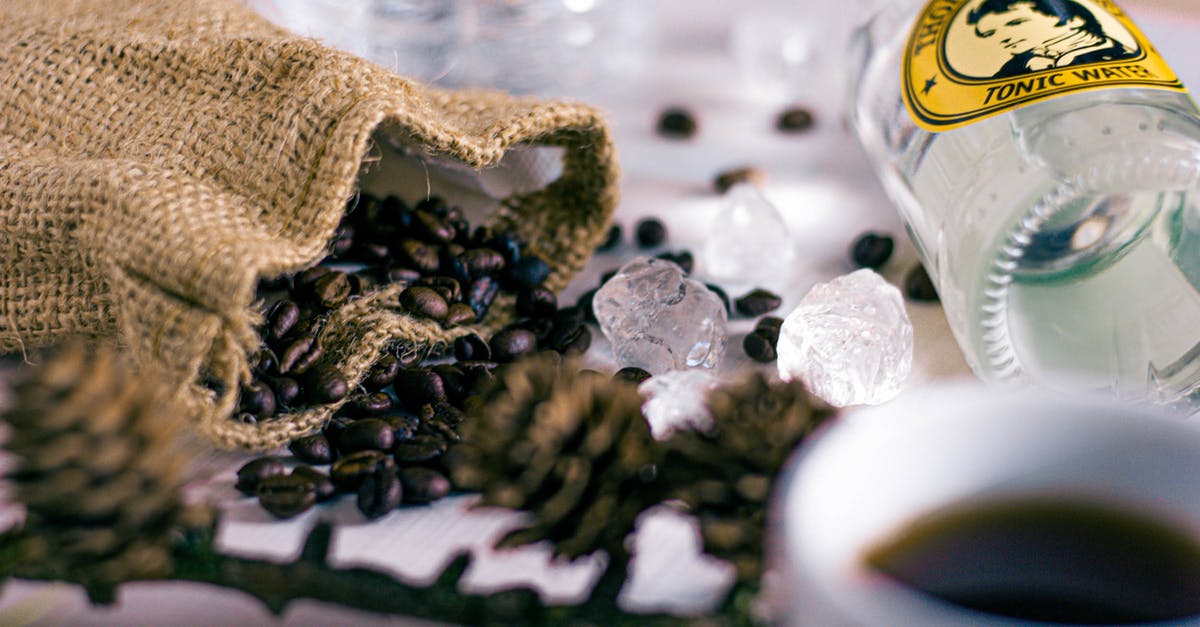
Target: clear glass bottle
point(1063, 235)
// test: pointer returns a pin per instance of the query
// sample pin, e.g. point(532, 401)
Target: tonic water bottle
point(1046, 162)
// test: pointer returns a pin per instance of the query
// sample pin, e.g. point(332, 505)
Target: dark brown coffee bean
point(254, 471)
point(676, 123)
point(471, 347)
point(794, 119)
point(650, 232)
point(759, 347)
point(304, 348)
point(449, 415)
point(323, 486)
point(287, 390)
point(481, 293)
point(371, 252)
point(381, 374)
point(282, 319)
point(308, 359)
point(483, 261)
point(369, 434)
point(511, 343)
point(361, 282)
point(293, 351)
point(330, 291)
point(325, 384)
point(424, 302)
point(536, 302)
point(422, 485)
point(716, 289)
point(478, 375)
point(305, 278)
point(683, 259)
point(632, 374)
point(430, 227)
point(336, 425)
point(403, 427)
point(418, 450)
point(459, 314)
point(257, 398)
point(285, 496)
point(508, 244)
point(611, 240)
point(264, 362)
point(872, 250)
point(770, 325)
point(419, 386)
point(918, 286)
point(448, 288)
point(757, 302)
point(312, 449)
point(528, 271)
point(418, 255)
point(348, 472)
point(453, 380)
point(401, 275)
point(379, 493)
point(726, 179)
point(367, 405)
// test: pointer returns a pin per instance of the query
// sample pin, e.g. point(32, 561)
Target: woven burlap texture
point(158, 158)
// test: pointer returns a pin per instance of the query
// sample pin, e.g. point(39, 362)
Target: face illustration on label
point(1004, 38)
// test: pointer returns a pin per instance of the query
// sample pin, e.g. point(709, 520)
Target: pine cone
point(99, 470)
point(570, 447)
point(725, 474)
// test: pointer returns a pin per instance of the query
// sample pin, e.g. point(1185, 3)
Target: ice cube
point(748, 241)
point(677, 400)
point(850, 340)
point(658, 319)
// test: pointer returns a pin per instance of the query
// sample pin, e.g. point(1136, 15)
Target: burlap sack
point(157, 158)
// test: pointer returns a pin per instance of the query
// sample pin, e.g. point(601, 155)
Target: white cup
point(877, 469)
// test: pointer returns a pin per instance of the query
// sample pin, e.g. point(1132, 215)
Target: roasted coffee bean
point(459, 314)
point(422, 485)
point(361, 282)
point(478, 375)
point(452, 265)
point(448, 414)
point(716, 289)
point(398, 274)
point(770, 325)
point(324, 384)
point(323, 486)
point(677, 123)
point(381, 374)
point(424, 302)
point(367, 405)
point(759, 347)
point(918, 286)
point(282, 319)
point(330, 291)
point(264, 362)
point(287, 390)
point(369, 434)
point(343, 241)
point(611, 240)
point(348, 472)
point(726, 179)
point(430, 227)
point(528, 271)
point(470, 347)
point(257, 398)
point(508, 244)
point(632, 374)
point(379, 493)
point(307, 359)
point(453, 380)
point(313, 449)
point(419, 386)
point(285, 496)
point(418, 255)
point(481, 293)
point(298, 352)
point(794, 119)
point(336, 425)
point(254, 471)
point(371, 252)
point(536, 302)
point(462, 228)
point(483, 261)
point(418, 450)
point(511, 343)
point(403, 427)
point(757, 302)
point(683, 259)
point(305, 278)
point(446, 287)
point(872, 250)
point(650, 232)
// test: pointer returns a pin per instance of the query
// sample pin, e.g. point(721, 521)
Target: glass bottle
point(1056, 211)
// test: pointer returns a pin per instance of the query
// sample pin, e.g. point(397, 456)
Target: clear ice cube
point(748, 241)
point(850, 340)
point(659, 320)
point(677, 400)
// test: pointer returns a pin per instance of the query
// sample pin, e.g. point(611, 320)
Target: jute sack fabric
point(158, 158)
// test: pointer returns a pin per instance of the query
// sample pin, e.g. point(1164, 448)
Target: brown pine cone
point(725, 474)
point(570, 447)
point(99, 469)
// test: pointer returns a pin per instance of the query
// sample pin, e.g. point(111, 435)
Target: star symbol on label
point(929, 85)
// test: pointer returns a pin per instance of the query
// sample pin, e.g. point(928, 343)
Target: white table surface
point(828, 196)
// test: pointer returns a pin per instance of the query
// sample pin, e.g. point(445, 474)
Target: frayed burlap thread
point(157, 159)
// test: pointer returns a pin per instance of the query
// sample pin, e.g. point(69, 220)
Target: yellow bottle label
point(967, 60)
